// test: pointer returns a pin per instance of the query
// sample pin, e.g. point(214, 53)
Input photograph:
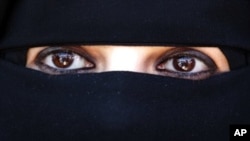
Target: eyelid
point(186, 51)
point(78, 50)
point(52, 49)
point(206, 59)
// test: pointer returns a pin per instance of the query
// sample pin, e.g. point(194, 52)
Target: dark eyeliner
point(191, 53)
point(50, 50)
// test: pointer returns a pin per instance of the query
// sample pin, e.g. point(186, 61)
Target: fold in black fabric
point(120, 106)
point(237, 58)
point(17, 56)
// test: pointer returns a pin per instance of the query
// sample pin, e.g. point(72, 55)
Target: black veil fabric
point(209, 22)
point(123, 105)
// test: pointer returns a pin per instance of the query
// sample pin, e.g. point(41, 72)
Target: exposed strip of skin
point(132, 58)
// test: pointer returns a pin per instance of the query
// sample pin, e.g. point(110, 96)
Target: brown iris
point(183, 63)
point(63, 59)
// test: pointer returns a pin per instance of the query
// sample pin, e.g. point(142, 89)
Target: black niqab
point(123, 105)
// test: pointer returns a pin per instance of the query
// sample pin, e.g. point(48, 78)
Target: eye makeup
point(179, 62)
point(208, 69)
point(39, 60)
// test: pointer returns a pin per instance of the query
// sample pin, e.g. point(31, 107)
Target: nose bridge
point(124, 59)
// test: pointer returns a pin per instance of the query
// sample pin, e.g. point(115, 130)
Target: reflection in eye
point(188, 64)
point(59, 60)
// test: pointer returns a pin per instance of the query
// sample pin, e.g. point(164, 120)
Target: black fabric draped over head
point(122, 105)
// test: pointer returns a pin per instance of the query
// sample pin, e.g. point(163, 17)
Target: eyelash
point(73, 50)
point(191, 53)
point(167, 57)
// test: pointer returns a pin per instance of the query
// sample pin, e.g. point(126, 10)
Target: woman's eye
point(184, 64)
point(189, 64)
point(58, 60)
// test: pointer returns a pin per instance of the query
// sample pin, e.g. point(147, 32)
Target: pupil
point(183, 63)
point(63, 59)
